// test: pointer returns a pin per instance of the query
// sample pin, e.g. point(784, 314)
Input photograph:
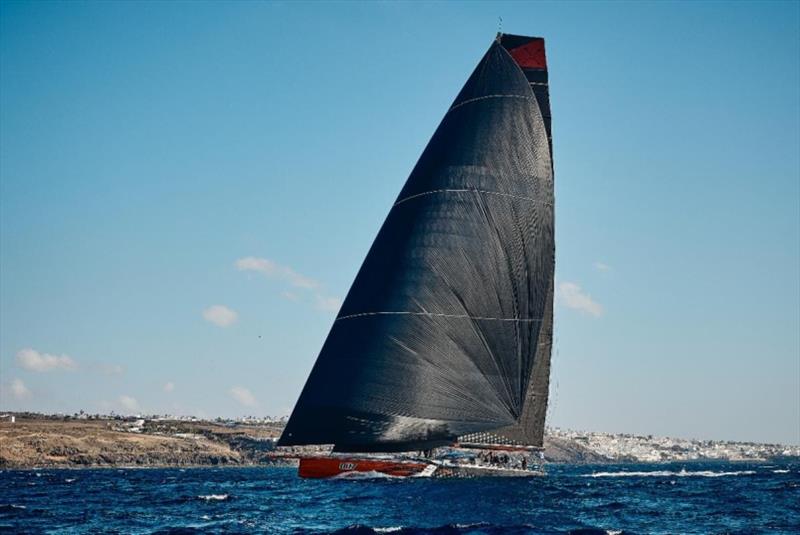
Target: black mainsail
point(447, 328)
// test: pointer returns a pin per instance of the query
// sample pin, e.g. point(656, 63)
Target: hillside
point(35, 440)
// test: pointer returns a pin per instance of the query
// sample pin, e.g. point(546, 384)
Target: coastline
point(39, 442)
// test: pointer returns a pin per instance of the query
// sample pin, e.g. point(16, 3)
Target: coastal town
point(84, 440)
point(646, 449)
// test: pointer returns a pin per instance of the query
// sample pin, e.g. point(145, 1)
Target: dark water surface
point(630, 498)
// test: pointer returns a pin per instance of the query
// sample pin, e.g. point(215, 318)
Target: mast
point(447, 328)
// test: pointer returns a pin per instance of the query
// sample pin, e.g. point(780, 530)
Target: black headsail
point(446, 330)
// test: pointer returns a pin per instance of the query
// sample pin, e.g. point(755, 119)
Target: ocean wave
point(483, 528)
point(12, 510)
point(671, 473)
point(214, 497)
point(780, 471)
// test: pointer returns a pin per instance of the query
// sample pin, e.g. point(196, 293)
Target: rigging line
point(546, 203)
point(469, 101)
point(434, 314)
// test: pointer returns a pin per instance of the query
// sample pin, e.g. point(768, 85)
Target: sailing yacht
point(443, 342)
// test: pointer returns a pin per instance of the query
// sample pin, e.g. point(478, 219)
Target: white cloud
point(220, 315)
point(601, 266)
point(19, 390)
point(272, 269)
point(169, 386)
point(129, 403)
point(328, 304)
point(572, 296)
point(110, 369)
point(32, 360)
point(243, 396)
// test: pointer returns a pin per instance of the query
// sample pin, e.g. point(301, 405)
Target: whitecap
point(670, 473)
point(70, 479)
point(780, 471)
point(390, 529)
point(214, 497)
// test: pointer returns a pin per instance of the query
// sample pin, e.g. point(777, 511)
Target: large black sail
point(529, 54)
point(441, 331)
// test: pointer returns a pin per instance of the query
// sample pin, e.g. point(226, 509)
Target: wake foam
point(457, 529)
point(671, 473)
point(214, 497)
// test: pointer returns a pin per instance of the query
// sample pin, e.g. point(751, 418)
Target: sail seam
point(434, 314)
point(469, 101)
point(472, 191)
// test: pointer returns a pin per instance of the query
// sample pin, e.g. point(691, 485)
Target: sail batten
point(476, 99)
point(548, 203)
point(408, 312)
point(446, 327)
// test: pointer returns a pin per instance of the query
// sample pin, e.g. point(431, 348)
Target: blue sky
point(187, 190)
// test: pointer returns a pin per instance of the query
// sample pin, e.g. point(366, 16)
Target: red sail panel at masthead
point(529, 54)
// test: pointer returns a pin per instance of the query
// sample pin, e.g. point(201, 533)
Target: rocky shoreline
point(51, 442)
point(39, 441)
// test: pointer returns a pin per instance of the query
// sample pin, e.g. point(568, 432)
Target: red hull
point(321, 467)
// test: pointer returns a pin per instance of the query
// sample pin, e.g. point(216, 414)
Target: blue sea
point(630, 498)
